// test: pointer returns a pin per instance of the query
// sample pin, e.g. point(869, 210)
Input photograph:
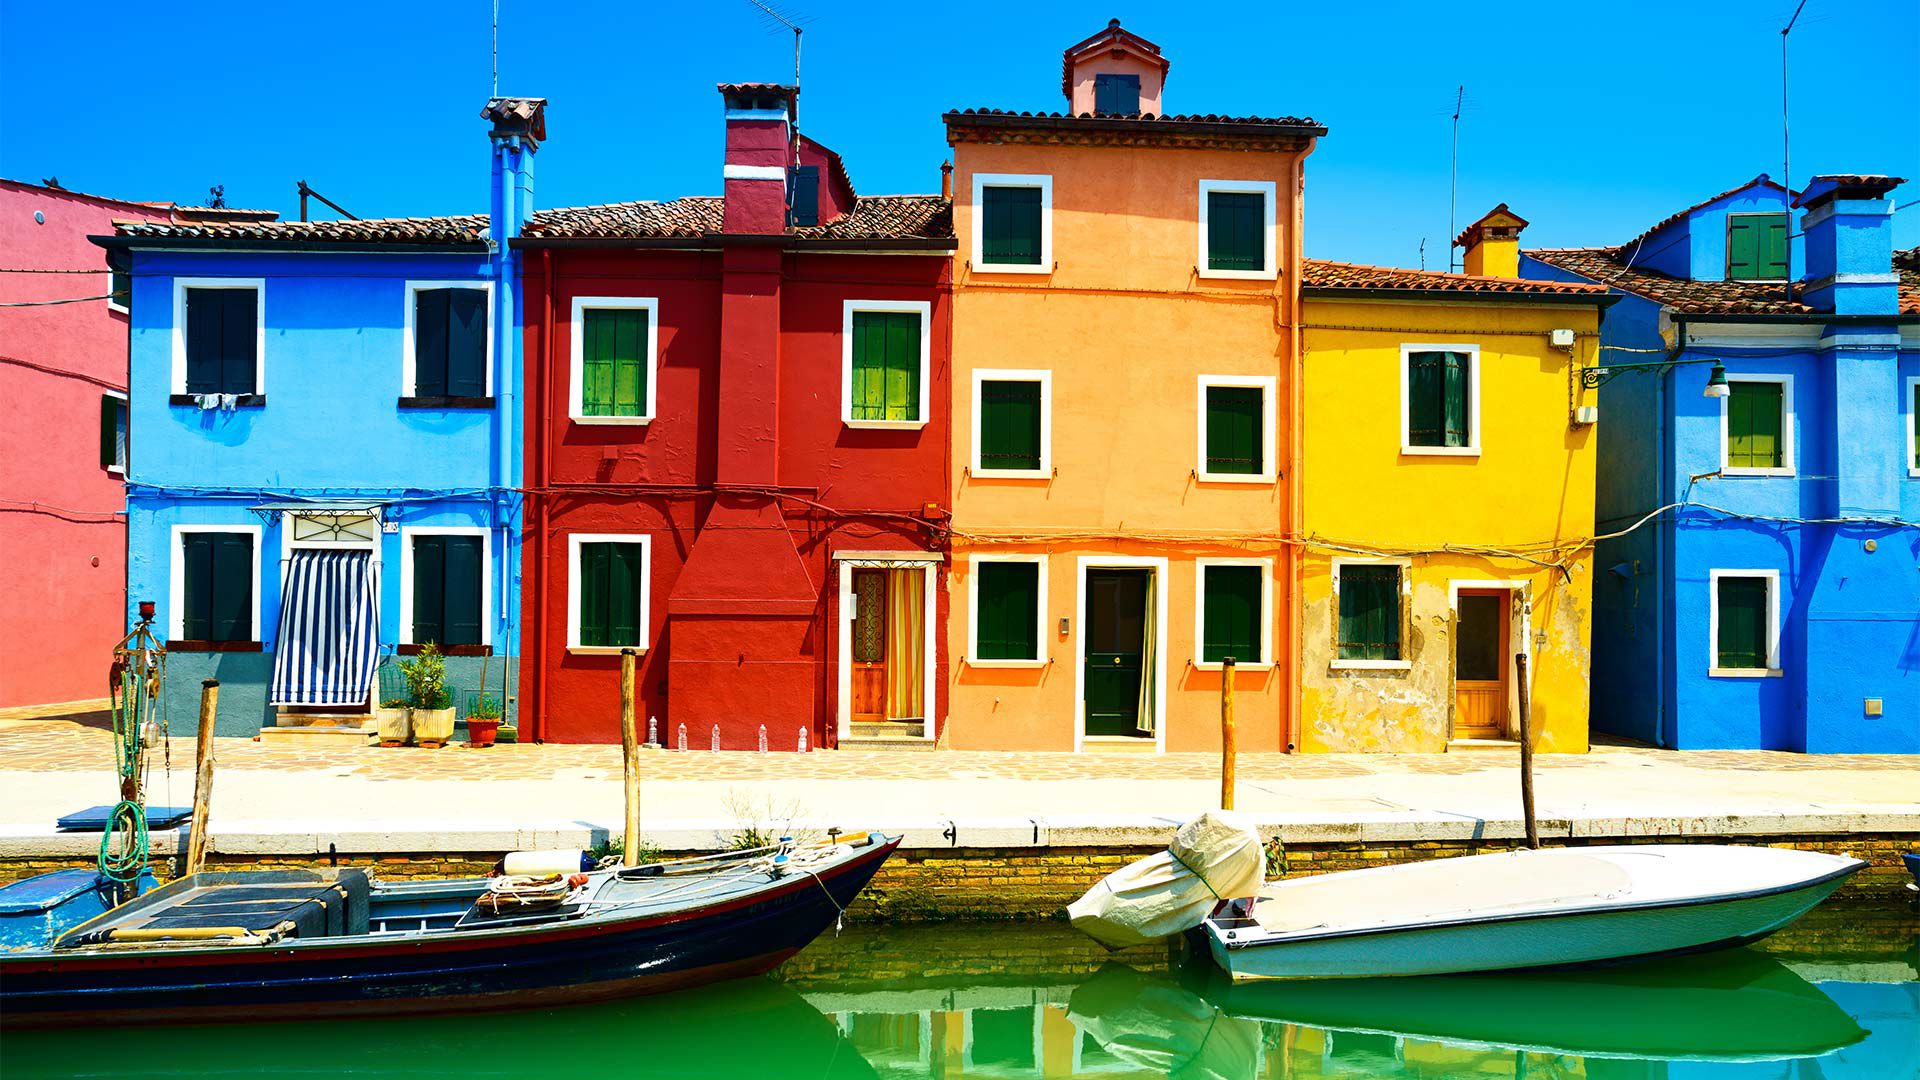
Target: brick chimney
point(1492, 244)
point(1848, 228)
point(759, 153)
point(519, 127)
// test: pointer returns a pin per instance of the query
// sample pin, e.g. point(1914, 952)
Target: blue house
point(326, 451)
point(1759, 467)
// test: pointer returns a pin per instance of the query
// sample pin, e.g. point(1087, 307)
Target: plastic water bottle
point(716, 738)
point(683, 736)
point(803, 740)
point(653, 731)
point(763, 738)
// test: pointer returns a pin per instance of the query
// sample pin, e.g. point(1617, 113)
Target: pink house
point(63, 440)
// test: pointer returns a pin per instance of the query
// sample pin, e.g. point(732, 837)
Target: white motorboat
point(1520, 909)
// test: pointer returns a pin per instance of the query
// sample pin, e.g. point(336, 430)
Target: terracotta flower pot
point(432, 727)
point(481, 730)
point(393, 726)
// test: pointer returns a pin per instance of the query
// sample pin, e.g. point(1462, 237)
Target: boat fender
point(561, 861)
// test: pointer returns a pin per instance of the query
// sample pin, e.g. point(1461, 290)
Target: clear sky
point(1593, 119)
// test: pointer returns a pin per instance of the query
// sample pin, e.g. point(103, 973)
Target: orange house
point(1124, 337)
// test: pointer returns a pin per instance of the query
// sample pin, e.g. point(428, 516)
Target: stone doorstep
point(1508, 746)
point(897, 743)
point(318, 735)
point(320, 719)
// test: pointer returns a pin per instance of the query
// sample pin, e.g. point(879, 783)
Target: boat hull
point(587, 960)
point(1518, 941)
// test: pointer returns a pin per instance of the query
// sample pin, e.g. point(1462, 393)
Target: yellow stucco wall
point(1531, 485)
point(1126, 327)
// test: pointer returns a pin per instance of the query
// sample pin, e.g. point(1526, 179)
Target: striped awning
point(329, 629)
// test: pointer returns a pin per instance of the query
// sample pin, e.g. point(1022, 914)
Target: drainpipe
point(543, 541)
point(1295, 375)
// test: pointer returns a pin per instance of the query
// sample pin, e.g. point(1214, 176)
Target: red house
point(737, 432)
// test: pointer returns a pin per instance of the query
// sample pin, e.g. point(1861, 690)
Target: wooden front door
point(1480, 665)
point(1115, 647)
point(869, 676)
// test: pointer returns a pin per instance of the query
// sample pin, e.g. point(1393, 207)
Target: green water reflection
point(1835, 998)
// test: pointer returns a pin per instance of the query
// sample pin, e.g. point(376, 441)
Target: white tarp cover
point(1214, 857)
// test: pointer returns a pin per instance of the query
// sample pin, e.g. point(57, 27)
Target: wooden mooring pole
point(1526, 751)
point(202, 777)
point(1228, 749)
point(630, 759)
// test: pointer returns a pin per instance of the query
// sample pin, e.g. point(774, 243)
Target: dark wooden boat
point(296, 944)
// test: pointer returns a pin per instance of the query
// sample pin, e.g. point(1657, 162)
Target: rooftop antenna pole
point(496, 49)
point(1453, 183)
point(788, 22)
point(1786, 143)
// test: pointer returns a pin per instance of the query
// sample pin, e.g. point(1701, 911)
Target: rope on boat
point(128, 820)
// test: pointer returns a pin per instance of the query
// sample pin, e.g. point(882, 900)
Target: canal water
point(1833, 998)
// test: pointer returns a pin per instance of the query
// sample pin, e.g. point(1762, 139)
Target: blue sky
point(1592, 120)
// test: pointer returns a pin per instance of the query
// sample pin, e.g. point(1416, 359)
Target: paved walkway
point(275, 797)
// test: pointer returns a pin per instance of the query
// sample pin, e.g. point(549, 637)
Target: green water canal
point(1833, 998)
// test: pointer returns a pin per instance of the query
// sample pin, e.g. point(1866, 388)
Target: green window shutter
point(1235, 439)
point(1116, 95)
point(1773, 247)
point(430, 590)
point(461, 590)
point(1231, 615)
point(1457, 383)
point(239, 343)
point(1009, 424)
point(1426, 399)
point(595, 608)
point(803, 196)
point(113, 432)
point(466, 367)
point(1369, 613)
point(230, 605)
point(625, 579)
point(1743, 623)
point(1010, 227)
point(1913, 421)
point(204, 313)
point(196, 593)
point(1754, 425)
point(1009, 611)
point(1236, 235)
point(1743, 248)
point(614, 377)
point(120, 284)
point(885, 382)
point(430, 343)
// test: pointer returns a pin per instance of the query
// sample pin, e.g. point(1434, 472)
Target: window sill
point(1439, 451)
point(1234, 478)
point(1371, 665)
point(886, 425)
point(1015, 664)
point(1726, 470)
point(443, 401)
point(240, 401)
point(1042, 473)
point(408, 649)
point(1215, 665)
point(215, 646)
point(116, 470)
point(1744, 673)
point(1240, 275)
point(1012, 268)
point(604, 650)
point(613, 421)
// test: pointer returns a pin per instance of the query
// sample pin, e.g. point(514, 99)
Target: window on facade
point(885, 382)
point(1236, 230)
point(1010, 417)
point(450, 342)
point(446, 589)
point(1369, 612)
point(1116, 94)
point(1745, 622)
point(222, 341)
point(613, 359)
point(1230, 614)
point(1756, 247)
point(803, 196)
point(1007, 611)
point(1236, 439)
point(216, 586)
point(113, 432)
point(1439, 399)
point(1010, 226)
point(612, 584)
point(1913, 425)
point(120, 289)
point(1756, 421)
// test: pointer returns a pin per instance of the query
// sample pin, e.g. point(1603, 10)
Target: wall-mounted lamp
point(1717, 382)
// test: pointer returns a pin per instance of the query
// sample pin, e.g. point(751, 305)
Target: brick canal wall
point(986, 883)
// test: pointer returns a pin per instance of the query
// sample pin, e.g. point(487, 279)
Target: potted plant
point(483, 721)
point(426, 676)
point(391, 720)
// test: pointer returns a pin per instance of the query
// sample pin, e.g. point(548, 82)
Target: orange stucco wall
point(1126, 326)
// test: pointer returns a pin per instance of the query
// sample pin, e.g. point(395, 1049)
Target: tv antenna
point(1453, 181)
point(1786, 145)
point(776, 20)
point(496, 49)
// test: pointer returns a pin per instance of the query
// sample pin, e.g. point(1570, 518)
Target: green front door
point(1115, 648)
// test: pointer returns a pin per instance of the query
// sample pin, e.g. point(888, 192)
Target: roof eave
point(1366, 292)
point(340, 247)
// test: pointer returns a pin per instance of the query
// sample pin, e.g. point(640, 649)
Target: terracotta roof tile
point(432, 230)
point(1325, 274)
point(1907, 264)
point(1145, 120)
point(1606, 265)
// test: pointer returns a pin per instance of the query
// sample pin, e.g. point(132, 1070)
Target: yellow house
point(1446, 502)
point(1122, 347)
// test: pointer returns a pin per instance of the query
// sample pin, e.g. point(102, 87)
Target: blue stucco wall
point(1695, 246)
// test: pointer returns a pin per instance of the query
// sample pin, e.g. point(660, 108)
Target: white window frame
point(1772, 670)
point(112, 304)
point(408, 374)
point(1268, 190)
point(845, 562)
point(576, 356)
point(1726, 237)
point(974, 562)
point(1912, 386)
point(1406, 590)
point(1268, 386)
point(1789, 449)
point(407, 535)
point(574, 540)
point(180, 287)
point(925, 310)
point(983, 181)
point(177, 577)
point(126, 414)
point(1265, 659)
point(1472, 449)
point(982, 376)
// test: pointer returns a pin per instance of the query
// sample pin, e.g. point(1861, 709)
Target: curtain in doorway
point(329, 629)
point(1147, 721)
point(906, 644)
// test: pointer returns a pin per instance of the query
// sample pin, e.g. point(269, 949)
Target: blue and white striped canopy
point(329, 629)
